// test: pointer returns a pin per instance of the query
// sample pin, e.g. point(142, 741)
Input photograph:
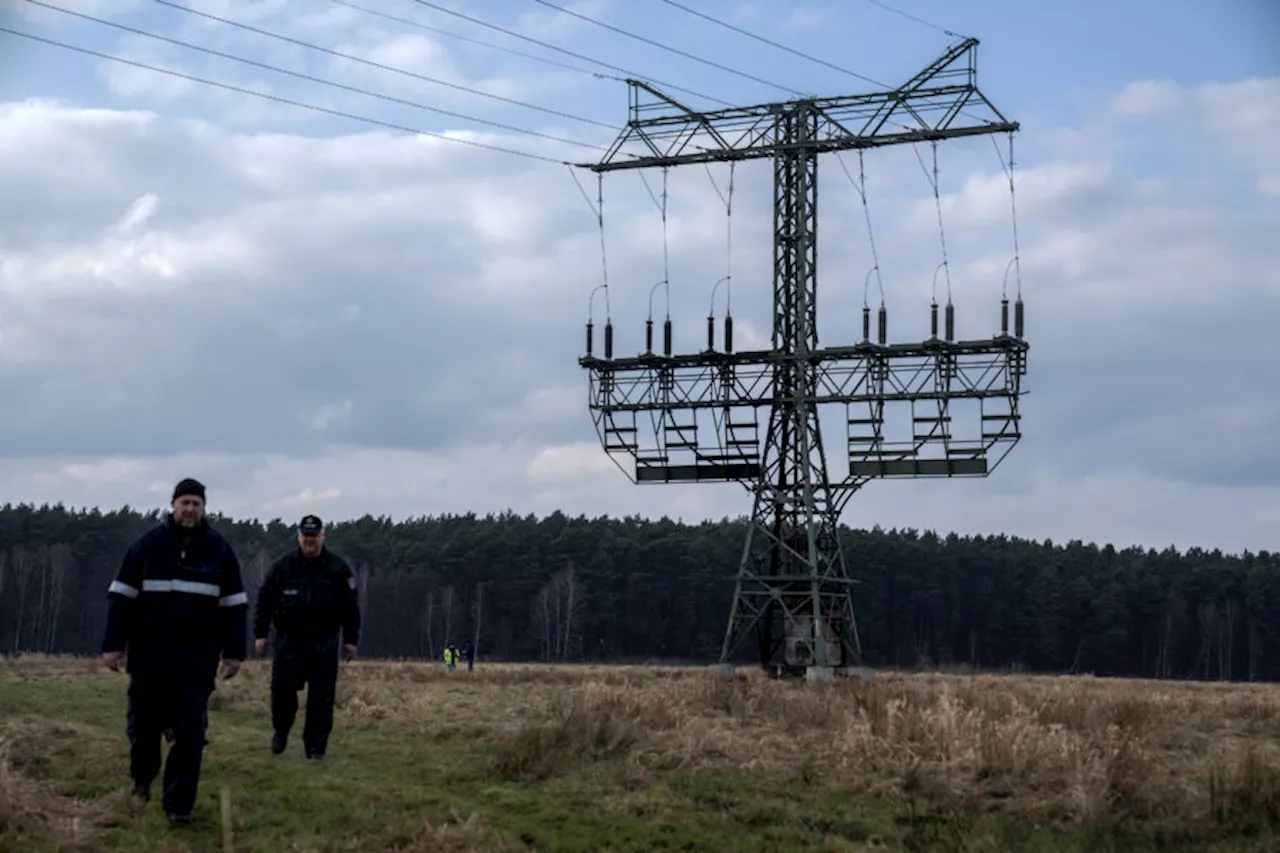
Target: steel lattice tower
point(792, 587)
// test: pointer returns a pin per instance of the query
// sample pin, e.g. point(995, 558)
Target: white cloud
point(379, 323)
point(142, 209)
point(304, 501)
point(806, 19)
point(1245, 118)
point(1147, 98)
point(329, 414)
point(85, 7)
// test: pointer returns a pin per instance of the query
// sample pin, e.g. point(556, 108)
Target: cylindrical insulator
point(589, 331)
point(648, 336)
point(884, 326)
point(666, 337)
point(951, 322)
point(866, 324)
point(728, 334)
point(933, 320)
point(608, 339)
point(1017, 318)
point(1004, 316)
point(711, 332)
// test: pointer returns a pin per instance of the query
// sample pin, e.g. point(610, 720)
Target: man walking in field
point(177, 605)
point(310, 595)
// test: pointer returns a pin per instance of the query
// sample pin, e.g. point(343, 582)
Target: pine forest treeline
point(630, 589)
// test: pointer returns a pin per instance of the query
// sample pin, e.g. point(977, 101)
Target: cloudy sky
point(312, 312)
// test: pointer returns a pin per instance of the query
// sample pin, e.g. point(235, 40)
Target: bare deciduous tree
point(448, 596)
point(4, 563)
point(362, 594)
point(23, 566)
point(479, 609)
point(58, 566)
point(557, 611)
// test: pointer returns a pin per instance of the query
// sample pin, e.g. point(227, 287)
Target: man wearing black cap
point(310, 595)
point(177, 605)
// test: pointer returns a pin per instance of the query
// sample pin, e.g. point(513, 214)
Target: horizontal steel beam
point(753, 150)
point(864, 351)
point(917, 468)
point(664, 132)
point(964, 370)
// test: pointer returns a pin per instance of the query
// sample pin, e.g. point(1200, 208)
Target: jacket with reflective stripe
point(178, 603)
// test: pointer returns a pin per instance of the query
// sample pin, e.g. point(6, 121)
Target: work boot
point(179, 819)
point(142, 792)
point(278, 743)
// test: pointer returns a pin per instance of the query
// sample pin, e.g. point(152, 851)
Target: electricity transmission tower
point(792, 588)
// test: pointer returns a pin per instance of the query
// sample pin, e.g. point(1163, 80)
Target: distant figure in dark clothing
point(176, 606)
point(310, 594)
point(469, 655)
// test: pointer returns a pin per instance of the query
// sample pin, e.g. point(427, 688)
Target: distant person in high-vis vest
point(177, 605)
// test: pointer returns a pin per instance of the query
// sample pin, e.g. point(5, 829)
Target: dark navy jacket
point(178, 603)
point(309, 599)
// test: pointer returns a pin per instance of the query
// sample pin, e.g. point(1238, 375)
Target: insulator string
point(598, 209)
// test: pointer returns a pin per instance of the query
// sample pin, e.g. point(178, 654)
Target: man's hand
point(230, 668)
point(260, 645)
point(112, 660)
point(349, 651)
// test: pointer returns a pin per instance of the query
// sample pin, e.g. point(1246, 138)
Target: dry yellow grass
point(1075, 750)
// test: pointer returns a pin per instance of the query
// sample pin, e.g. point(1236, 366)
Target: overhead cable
point(667, 48)
point(380, 65)
point(447, 11)
point(314, 79)
point(280, 100)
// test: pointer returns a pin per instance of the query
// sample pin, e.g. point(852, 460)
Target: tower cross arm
point(862, 373)
point(942, 101)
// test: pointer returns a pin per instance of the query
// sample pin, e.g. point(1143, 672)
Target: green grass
point(475, 765)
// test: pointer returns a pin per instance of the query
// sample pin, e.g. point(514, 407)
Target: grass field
point(615, 758)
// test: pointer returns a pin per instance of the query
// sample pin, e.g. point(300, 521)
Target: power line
point(805, 55)
point(565, 51)
point(314, 79)
point(281, 100)
point(373, 64)
point(668, 48)
point(771, 43)
point(468, 39)
point(911, 17)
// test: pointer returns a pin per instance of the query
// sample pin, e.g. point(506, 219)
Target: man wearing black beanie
point(177, 605)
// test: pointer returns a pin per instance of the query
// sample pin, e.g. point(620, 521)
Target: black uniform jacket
point(178, 603)
point(309, 598)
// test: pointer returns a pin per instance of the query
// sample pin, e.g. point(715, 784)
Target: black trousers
point(312, 663)
point(156, 703)
point(168, 732)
